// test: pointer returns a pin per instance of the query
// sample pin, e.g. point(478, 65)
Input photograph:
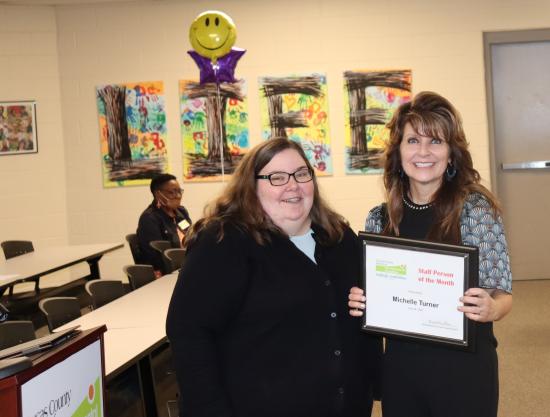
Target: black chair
point(14, 332)
point(133, 243)
point(103, 291)
point(160, 246)
point(176, 257)
point(139, 275)
point(13, 248)
point(60, 310)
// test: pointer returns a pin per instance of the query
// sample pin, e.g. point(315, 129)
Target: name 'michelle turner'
point(412, 301)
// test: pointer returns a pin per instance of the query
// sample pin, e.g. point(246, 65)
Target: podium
point(67, 380)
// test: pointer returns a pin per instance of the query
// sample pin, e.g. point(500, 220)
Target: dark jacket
point(155, 224)
point(262, 331)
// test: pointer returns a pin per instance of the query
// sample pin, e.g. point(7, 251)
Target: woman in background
point(258, 321)
point(164, 219)
point(434, 193)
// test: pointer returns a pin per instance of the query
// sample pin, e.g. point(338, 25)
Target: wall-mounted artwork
point(18, 127)
point(214, 128)
point(296, 107)
point(371, 98)
point(132, 126)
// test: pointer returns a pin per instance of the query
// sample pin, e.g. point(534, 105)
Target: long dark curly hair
point(432, 115)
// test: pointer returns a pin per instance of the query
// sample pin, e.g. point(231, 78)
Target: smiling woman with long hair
point(258, 321)
point(433, 192)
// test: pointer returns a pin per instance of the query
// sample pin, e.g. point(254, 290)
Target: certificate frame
point(406, 315)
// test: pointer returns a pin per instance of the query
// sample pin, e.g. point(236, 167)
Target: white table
point(47, 260)
point(142, 308)
point(135, 328)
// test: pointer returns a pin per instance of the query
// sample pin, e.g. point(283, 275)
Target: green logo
point(392, 269)
point(91, 405)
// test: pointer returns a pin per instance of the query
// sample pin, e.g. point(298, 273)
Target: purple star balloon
point(223, 71)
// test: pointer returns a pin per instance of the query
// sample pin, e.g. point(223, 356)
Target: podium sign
point(65, 381)
point(71, 388)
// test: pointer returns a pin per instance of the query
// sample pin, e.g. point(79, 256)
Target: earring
point(450, 172)
point(401, 173)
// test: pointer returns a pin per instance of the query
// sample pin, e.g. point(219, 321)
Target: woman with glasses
point(164, 219)
point(258, 321)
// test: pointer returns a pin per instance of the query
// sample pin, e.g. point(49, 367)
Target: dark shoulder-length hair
point(433, 115)
point(239, 205)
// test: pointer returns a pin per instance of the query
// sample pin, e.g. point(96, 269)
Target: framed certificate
point(413, 289)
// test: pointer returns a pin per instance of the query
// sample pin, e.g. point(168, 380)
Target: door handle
point(526, 165)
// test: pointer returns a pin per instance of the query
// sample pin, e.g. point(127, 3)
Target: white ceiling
point(60, 2)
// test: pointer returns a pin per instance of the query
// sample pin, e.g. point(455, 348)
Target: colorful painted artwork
point(296, 107)
point(18, 127)
point(214, 128)
point(371, 98)
point(132, 126)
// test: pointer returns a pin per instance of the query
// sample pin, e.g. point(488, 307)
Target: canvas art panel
point(296, 107)
point(370, 99)
point(132, 126)
point(214, 128)
point(18, 127)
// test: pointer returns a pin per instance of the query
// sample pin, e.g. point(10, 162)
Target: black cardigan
point(261, 331)
point(155, 224)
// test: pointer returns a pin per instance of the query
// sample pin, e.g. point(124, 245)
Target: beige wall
point(33, 204)
point(440, 40)
point(33, 190)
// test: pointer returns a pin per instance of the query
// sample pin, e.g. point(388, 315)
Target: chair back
point(60, 310)
point(13, 248)
point(176, 257)
point(160, 246)
point(103, 291)
point(15, 332)
point(139, 275)
point(133, 243)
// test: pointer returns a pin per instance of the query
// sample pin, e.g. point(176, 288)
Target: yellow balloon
point(212, 34)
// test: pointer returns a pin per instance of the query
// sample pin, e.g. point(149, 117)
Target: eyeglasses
point(172, 193)
point(282, 178)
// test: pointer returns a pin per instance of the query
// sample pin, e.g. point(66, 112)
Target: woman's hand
point(484, 306)
point(356, 302)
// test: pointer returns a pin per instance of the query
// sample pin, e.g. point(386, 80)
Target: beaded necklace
point(414, 206)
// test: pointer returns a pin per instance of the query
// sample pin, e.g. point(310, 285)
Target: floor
point(524, 352)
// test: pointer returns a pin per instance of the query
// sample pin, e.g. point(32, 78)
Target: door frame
point(495, 38)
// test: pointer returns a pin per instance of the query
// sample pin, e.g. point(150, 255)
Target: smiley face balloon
point(212, 34)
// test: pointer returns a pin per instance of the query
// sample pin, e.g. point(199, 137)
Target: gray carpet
point(524, 352)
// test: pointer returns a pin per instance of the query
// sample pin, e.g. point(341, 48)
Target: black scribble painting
point(214, 123)
point(296, 109)
point(372, 97)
